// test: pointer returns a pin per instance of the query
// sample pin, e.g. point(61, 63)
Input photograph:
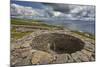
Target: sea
point(76, 25)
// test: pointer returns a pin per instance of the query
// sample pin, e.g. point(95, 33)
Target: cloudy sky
point(23, 9)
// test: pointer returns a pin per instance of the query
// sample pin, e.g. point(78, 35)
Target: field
point(33, 24)
point(29, 24)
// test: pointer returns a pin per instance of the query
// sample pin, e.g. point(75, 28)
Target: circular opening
point(59, 43)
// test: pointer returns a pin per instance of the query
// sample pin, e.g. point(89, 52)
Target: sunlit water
point(83, 26)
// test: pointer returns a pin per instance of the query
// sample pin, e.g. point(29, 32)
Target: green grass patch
point(17, 35)
point(33, 23)
point(20, 22)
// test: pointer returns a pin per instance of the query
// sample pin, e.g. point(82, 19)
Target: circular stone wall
point(59, 43)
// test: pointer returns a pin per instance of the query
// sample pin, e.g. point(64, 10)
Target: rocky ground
point(24, 51)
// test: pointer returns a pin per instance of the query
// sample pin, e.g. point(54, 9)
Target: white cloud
point(77, 12)
point(26, 11)
point(83, 12)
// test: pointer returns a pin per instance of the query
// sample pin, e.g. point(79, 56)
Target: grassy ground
point(39, 24)
point(16, 35)
point(33, 23)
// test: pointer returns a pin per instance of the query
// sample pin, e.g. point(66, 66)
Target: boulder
point(40, 57)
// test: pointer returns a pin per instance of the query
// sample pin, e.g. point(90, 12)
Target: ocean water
point(78, 25)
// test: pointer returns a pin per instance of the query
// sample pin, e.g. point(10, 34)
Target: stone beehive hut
point(48, 47)
point(58, 43)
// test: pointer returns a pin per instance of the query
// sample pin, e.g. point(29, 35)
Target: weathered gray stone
point(82, 56)
point(62, 58)
point(22, 52)
point(70, 59)
point(16, 61)
point(90, 55)
point(75, 57)
point(40, 57)
point(89, 46)
point(26, 60)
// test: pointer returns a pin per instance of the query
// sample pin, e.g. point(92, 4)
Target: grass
point(85, 34)
point(42, 25)
point(33, 23)
point(17, 35)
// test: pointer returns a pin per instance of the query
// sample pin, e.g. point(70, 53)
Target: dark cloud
point(59, 7)
point(67, 8)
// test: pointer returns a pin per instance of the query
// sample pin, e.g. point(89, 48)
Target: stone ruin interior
point(58, 43)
